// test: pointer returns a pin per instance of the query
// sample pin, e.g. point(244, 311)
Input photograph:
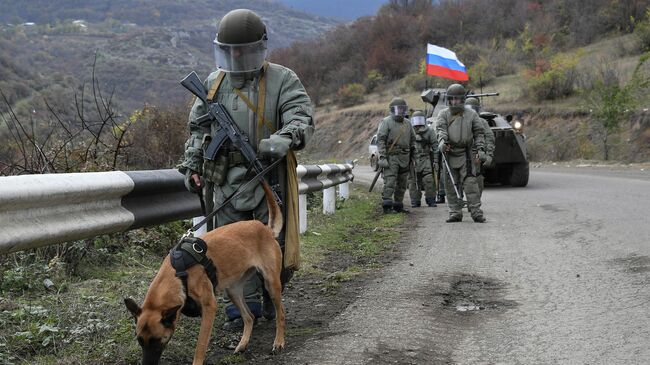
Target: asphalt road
point(559, 274)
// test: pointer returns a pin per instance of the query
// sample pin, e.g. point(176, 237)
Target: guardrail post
point(344, 190)
point(302, 208)
point(329, 200)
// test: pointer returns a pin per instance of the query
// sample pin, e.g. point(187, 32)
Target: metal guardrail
point(40, 210)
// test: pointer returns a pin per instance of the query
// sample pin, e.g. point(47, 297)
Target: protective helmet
point(398, 107)
point(241, 42)
point(418, 119)
point(474, 103)
point(456, 97)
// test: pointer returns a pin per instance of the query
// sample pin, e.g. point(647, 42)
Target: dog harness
point(188, 252)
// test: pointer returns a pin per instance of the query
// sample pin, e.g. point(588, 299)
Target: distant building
point(81, 24)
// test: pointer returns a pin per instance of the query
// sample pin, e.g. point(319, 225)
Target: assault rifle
point(228, 128)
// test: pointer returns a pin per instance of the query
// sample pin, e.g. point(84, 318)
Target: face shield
point(246, 57)
point(455, 100)
point(418, 120)
point(399, 110)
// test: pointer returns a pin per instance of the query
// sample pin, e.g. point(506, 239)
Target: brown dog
point(238, 250)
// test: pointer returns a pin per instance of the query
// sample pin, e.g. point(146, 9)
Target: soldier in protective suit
point(271, 107)
point(426, 148)
point(396, 146)
point(475, 104)
point(461, 138)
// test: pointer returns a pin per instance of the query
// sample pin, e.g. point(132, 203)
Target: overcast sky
point(342, 9)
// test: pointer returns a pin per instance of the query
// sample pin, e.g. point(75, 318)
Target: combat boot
point(399, 207)
point(268, 309)
point(415, 203)
point(441, 199)
point(387, 205)
point(479, 219)
point(431, 202)
point(454, 218)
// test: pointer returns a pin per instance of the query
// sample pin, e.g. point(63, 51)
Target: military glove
point(488, 161)
point(482, 156)
point(276, 146)
point(443, 147)
point(191, 178)
point(383, 162)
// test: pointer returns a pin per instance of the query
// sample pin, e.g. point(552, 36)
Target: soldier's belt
point(399, 151)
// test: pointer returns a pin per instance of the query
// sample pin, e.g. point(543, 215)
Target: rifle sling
point(261, 102)
point(401, 131)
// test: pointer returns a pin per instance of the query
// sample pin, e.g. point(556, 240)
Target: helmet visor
point(399, 110)
point(246, 57)
point(417, 120)
point(453, 100)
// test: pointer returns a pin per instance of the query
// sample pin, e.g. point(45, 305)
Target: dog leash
point(236, 193)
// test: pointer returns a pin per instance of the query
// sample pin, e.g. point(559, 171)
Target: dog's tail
point(275, 213)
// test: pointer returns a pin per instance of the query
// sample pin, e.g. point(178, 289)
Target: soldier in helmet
point(271, 107)
point(462, 139)
point(489, 143)
point(426, 147)
point(396, 146)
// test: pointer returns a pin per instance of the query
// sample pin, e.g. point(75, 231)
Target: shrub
point(553, 79)
point(415, 81)
point(642, 31)
point(373, 79)
point(351, 94)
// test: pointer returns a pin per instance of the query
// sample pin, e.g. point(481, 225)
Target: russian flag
point(442, 62)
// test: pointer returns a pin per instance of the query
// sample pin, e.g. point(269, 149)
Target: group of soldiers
point(451, 152)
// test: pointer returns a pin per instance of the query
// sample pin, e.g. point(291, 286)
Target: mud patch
point(633, 264)
point(470, 294)
point(565, 233)
point(551, 208)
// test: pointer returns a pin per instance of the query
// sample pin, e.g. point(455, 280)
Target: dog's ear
point(133, 307)
point(169, 316)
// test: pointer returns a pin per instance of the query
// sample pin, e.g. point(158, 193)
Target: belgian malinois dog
point(239, 251)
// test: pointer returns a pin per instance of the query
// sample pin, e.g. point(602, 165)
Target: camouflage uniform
point(489, 151)
point(287, 109)
point(401, 137)
point(426, 147)
point(464, 134)
point(475, 104)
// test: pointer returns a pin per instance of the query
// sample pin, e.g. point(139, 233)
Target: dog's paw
point(277, 348)
point(241, 349)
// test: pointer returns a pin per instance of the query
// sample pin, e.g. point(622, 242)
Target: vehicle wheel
point(503, 173)
point(373, 163)
point(519, 176)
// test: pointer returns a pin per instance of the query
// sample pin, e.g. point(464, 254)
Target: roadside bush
point(553, 79)
point(351, 94)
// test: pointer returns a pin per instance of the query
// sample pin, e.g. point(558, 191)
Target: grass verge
point(82, 319)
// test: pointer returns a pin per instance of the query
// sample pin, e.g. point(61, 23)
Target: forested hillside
point(492, 37)
point(143, 48)
point(575, 72)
